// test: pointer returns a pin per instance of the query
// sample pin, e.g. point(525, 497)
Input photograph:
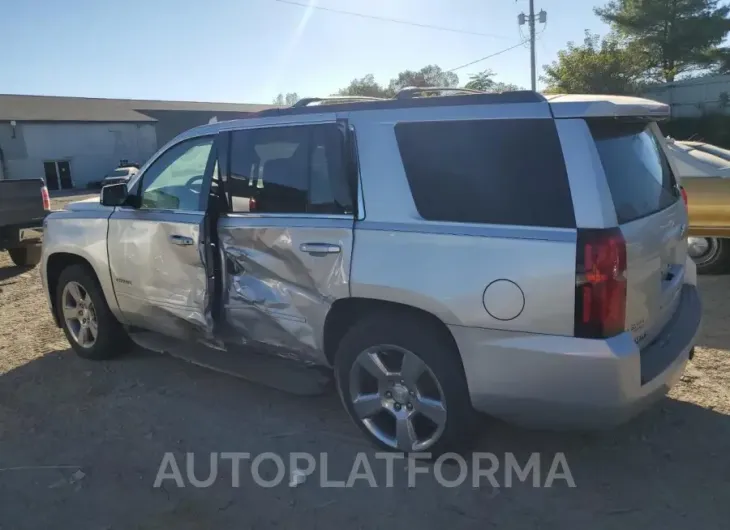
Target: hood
point(85, 205)
point(693, 162)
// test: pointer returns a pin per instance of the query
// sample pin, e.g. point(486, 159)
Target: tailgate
point(656, 250)
point(21, 202)
point(652, 218)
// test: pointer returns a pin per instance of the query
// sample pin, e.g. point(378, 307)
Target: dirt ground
point(81, 444)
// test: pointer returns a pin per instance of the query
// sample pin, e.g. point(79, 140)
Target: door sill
point(282, 374)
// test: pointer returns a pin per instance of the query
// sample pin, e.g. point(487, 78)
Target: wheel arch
point(55, 264)
point(345, 312)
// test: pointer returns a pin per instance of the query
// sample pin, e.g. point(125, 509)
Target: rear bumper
point(18, 235)
point(553, 381)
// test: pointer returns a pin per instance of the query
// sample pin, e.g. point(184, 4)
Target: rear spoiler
point(597, 106)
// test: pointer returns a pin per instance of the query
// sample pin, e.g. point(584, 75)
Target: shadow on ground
point(12, 271)
point(112, 422)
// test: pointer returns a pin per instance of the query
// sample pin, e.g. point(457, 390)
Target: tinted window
point(289, 170)
point(507, 172)
point(636, 168)
point(174, 180)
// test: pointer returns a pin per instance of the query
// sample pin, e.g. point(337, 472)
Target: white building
point(72, 142)
point(694, 97)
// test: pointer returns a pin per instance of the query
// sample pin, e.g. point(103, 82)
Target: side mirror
point(114, 195)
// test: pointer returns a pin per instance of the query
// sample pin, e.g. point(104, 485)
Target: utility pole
point(531, 18)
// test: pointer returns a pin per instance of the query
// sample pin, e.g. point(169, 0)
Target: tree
point(483, 81)
point(428, 76)
point(677, 36)
point(365, 86)
point(286, 100)
point(597, 66)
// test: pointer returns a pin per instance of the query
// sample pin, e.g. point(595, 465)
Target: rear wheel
point(710, 254)
point(26, 256)
point(402, 383)
point(89, 325)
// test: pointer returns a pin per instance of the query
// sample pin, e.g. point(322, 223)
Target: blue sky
point(250, 50)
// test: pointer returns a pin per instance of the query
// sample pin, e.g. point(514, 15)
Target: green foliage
point(365, 86)
point(430, 75)
point(427, 76)
point(675, 36)
point(596, 67)
point(484, 81)
point(286, 100)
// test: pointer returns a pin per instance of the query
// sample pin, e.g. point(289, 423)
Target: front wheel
point(26, 256)
point(402, 382)
point(710, 254)
point(88, 323)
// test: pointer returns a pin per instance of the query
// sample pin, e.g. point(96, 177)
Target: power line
point(387, 19)
point(488, 56)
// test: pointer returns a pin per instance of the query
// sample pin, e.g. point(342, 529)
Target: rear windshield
point(638, 174)
point(505, 172)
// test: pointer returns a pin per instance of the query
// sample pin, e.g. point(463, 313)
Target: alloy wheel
point(397, 398)
point(79, 314)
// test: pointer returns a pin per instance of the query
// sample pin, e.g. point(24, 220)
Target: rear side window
point(506, 172)
point(637, 170)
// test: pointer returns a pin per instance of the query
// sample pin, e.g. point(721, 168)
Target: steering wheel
point(193, 185)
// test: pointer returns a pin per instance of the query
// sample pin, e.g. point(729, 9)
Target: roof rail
point(357, 103)
point(304, 102)
point(411, 91)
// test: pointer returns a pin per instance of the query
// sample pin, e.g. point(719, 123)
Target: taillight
point(684, 195)
point(46, 198)
point(600, 283)
point(252, 205)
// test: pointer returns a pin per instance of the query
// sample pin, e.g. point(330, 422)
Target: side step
point(276, 372)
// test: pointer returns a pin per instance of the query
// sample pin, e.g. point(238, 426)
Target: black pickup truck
point(23, 206)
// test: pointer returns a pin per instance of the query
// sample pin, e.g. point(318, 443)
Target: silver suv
point(514, 254)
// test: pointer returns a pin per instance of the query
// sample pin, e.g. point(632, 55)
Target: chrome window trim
point(244, 215)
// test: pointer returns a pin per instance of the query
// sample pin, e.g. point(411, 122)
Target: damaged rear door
point(287, 237)
point(159, 245)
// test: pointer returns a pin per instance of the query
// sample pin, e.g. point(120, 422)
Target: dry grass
point(666, 469)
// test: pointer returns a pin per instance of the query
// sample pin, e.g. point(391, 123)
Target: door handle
point(183, 241)
point(320, 248)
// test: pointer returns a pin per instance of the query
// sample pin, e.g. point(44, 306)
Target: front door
point(158, 246)
point(64, 172)
point(287, 239)
point(51, 175)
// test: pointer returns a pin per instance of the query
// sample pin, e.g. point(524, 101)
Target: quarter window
point(505, 172)
point(292, 170)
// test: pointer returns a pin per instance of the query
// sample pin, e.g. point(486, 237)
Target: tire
point(715, 259)
point(111, 339)
point(397, 333)
point(26, 256)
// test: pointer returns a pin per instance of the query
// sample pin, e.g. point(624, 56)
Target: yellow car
point(704, 172)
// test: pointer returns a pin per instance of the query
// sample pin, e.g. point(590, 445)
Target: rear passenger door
point(287, 236)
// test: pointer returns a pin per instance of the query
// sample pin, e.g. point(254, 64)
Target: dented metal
point(277, 295)
point(158, 283)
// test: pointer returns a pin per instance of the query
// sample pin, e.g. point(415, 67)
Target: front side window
point(295, 170)
point(174, 180)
